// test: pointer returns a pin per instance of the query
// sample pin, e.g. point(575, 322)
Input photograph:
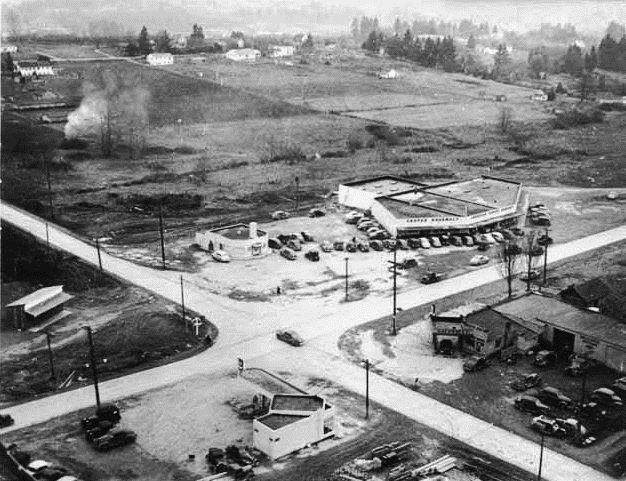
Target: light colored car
point(326, 246)
point(479, 260)
point(280, 215)
point(489, 238)
point(38, 465)
point(424, 244)
point(220, 256)
point(288, 254)
point(434, 241)
point(497, 236)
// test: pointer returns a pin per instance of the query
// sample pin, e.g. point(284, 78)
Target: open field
point(133, 329)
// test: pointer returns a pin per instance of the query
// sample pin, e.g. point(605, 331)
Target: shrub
point(505, 118)
point(384, 133)
point(578, 116)
point(278, 151)
point(354, 143)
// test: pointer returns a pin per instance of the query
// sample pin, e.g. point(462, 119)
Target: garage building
point(41, 306)
point(239, 241)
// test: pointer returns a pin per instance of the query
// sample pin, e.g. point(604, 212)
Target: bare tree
point(532, 252)
point(509, 256)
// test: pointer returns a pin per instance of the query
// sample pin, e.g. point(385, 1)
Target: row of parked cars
point(100, 430)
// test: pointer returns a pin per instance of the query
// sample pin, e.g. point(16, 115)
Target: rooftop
point(277, 421)
point(296, 402)
point(42, 300)
point(489, 320)
point(237, 232)
point(384, 185)
point(487, 191)
point(538, 309)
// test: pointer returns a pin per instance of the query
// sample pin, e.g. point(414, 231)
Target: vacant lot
point(132, 329)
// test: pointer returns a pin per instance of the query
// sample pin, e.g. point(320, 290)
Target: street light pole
point(346, 278)
point(297, 193)
point(94, 368)
point(545, 258)
point(395, 291)
point(182, 299)
point(367, 389)
point(540, 457)
point(99, 256)
point(161, 235)
point(50, 357)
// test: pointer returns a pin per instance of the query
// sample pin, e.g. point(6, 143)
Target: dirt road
point(246, 332)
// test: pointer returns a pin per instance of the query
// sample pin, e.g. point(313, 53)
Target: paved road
point(246, 332)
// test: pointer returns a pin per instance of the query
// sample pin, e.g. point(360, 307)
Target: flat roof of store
point(488, 191)
point(276, 421)
point(236, 232)
point(385, 184)
point(296, 402)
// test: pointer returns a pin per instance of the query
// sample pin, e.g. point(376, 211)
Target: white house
point(239, 241)
point(28, 68)
point(276, 51)
point(8, 49)
point(243, 54)
point(391, 74)
point(160, 59)
point(293, 422)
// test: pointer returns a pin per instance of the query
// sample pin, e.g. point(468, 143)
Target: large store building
point(407, 208)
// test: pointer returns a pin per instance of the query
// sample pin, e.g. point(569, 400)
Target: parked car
point(468, 241)
point(531, 404)
point(294, 245)
point(284, 238)
point(553, 397)
point(37, 465)
point(376, 245)
point(424, 244)
point(339, 245)
point(280, 215)
point(498, 237)
point(353, 217)
point(431, 278)
point(326, 246)
point(445, 240)
point(479, 260)
point(306, 237)
point(548, 426)
point(389, 244)
point(489, 238)
point(290, 337)
point(578, 365)
point(544, 358)
point(537, 251)
point(619, 387)
point(312, 255)
point(220, 256)
point(274, 243)
point(350, 247)
point(507, 234)
point(606, 397)
point(526, 381)
point(288, 254)
point(572, 427)
point(534, 274)
point(475, 363)
point(456, 241)
point(363, 247)
point(364, 226)
point(316, 213)
point(407, 263)
point(114, 439)
point(6, 420)
point(378, 234)
point(434, 241)
point(544, 240)
point(402, 244)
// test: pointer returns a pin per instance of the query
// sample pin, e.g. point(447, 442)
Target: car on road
point(350, 247)
point(434, 241)
point(548, 426)
point(316, 213)
point(606, 397)
point(553, 397)
point(280, 215)
point(220, 256)
point(6, 420)
point(424, 244)
point(312, 255)
point(294, 245)
point(274, 243)
point(363, 247)
point(479, 260)
point(306, 237)
point(288, 254)
point(114, 439)
point(526, 381)
point(578, 365)
point(407, 263)
point(475, 363)
point(290, 337)
point(326, 246)
point(376, 245)
point(544, 358)
point(431, 278)
point(468, 241)
point(530, 404)
point(619, 387)
point(534, 274)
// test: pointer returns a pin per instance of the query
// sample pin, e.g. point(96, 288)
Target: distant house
point(243, 54)
point(539, 96)
point(179, 41)
point(160, 58)
point(276, 51)
point(29, 68)
point(391, 74)
point(37, 307)
point(293, 422)
point(241, 43)
point(8, 49)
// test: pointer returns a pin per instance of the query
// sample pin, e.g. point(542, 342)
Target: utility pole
point(99, 256)
point(367, 389)
point(161, 235)
point(182, 299)
point(545, 257)
point(394, 264)
point(540, 457)
point(47, 236)
point(49, 181)
point(50, 357)
point(346, 278)
point(297, 193)
point(94, 368)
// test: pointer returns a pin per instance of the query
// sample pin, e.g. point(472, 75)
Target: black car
point(431, 278)
point(274, 243)
point(526, 381)
point(316, 213)
point(475, 363)
point(114, 439)
point(306, 237)
point(350, 247)
point(544, 240)
point(376, 245)
point(363, 247)
point(290, 337)
point(284, 238)
point(544, 358)
point(553, 397)
point(389, 244)
point(312, 255)
point(338, 245)
point(414, 243)
point(578, 365)
point(6, 420)
point(530, 404)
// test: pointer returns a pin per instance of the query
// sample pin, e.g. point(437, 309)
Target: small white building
point(8, 48)
point(276, 51)
point(239, 241)
point(539, 96)
point(160, 58)
point(391, 74)
point(243, 54)
point(294, 421)
point(28, 68)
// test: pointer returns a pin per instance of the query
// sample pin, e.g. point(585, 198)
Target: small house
point(391, 74)
point(539, 96)
point(239, 241)
point(30, 68)
point(243, 54)
point(37, 307)
point(160, 58)
point(277, 51)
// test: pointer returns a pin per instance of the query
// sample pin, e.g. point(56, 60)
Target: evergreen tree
point(573, 60)
point(538, 61)
point(471, 42)
point(144, 42)
point(373, 42)
point(501, 62)
point(7, 63)
point(354, 27)
point(196, 39)
point(163, 42)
